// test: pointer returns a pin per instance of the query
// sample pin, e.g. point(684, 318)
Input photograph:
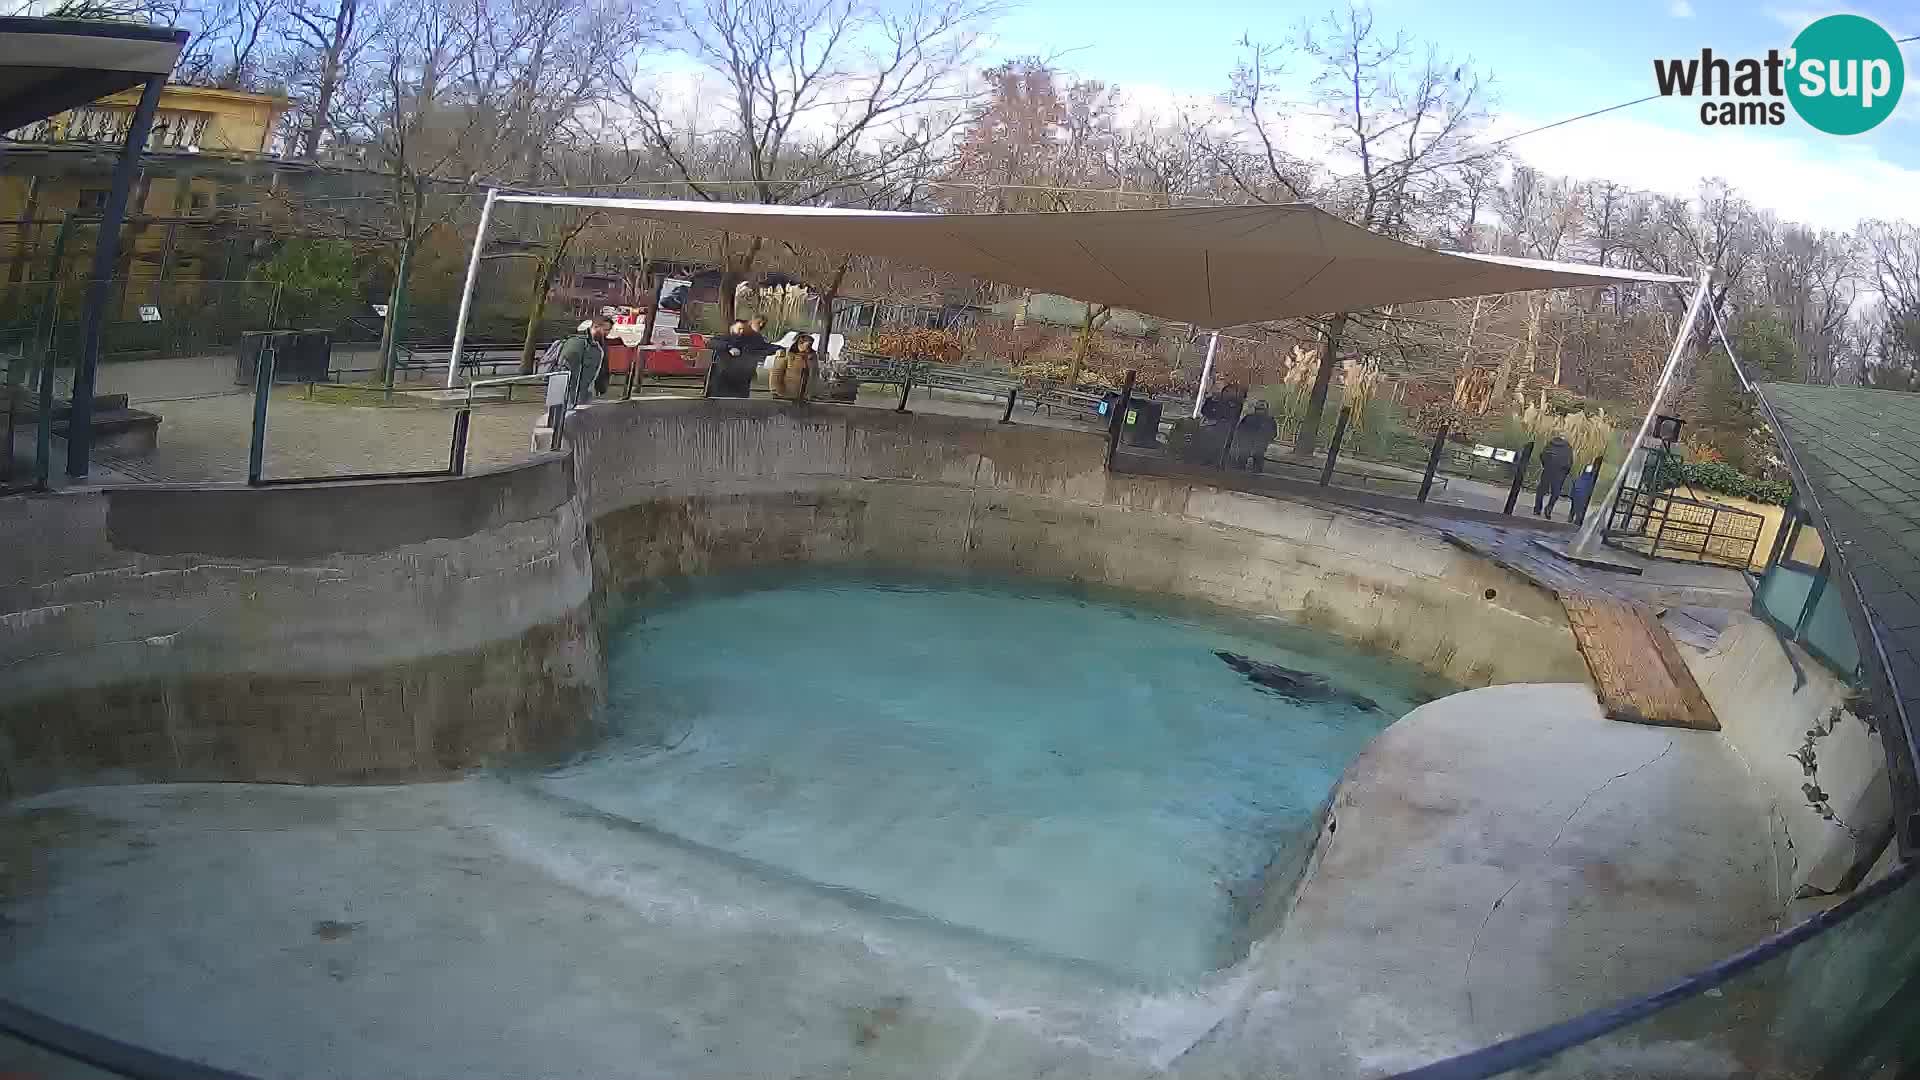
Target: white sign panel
point(1497, 453)
point(149, 313)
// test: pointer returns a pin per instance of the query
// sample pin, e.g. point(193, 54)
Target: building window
point(199, 200)
point(93, 199)
point(1797, 596)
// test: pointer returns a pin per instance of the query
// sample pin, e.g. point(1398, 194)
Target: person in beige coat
point(792, 369)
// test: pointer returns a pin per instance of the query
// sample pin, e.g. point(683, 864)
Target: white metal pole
point(1589, 536)
point(466, 293)
point(1206, 374)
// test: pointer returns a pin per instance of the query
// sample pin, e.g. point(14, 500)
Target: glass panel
point(1783, 594)
point(1807, 548)
point(1840, 1005)
point(1828, 633)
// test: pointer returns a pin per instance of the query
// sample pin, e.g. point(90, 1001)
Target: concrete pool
point(497, 910)
point(1068, 771)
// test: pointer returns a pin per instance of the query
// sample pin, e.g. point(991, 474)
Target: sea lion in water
point(1288, 683)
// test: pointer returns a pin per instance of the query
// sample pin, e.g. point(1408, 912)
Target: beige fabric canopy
point(1212, 266)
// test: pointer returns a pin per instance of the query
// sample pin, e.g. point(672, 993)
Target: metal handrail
point(507, 380)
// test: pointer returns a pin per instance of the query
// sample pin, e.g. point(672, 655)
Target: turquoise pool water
point(1080, 775)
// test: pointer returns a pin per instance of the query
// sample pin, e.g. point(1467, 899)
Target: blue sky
point(1549, 60)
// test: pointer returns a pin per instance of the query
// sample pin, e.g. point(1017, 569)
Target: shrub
point(1720, 477)
point(921, 345)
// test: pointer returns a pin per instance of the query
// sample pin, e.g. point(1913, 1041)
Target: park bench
point(489, 359)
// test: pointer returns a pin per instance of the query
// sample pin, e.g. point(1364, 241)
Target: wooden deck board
point(1637, 669)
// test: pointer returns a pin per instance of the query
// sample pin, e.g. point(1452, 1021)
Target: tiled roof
point(1859, 450)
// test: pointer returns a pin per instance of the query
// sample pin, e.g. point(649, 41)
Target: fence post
point(637, 367)
point(1333, 448)
point(1433, 463)
point(1660, 533)
point(262, 390)
point(457, 457)
point(43, 439)
point(1007, 417)
point(556, 416)
point(1115, 422)
point(1519, 477)
point(906, 388)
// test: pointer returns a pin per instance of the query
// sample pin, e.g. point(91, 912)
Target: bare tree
point(325, 38)
point(822, 99)
point(1400, 123)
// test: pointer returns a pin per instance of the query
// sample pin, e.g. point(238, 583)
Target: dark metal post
point(262, 391)
point(1520, 477)
point(43, 337)
point(1333, 448)
point(556, 418)
point(1226, 448)
point(1433, 463)
point(637, 367)
point(105, 252)
point(906, 387)
point(1661, 532)
point(1007, 417)
point(1117, 421)
point(43, 439)
point(457, 457)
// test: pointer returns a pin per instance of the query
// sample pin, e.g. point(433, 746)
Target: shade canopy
point(1212, 266)
point(48, 66)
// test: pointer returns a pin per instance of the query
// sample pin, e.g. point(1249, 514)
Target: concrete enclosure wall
point(364, 632)
point(317, 634)
point(689, 487)
point(1822, 771)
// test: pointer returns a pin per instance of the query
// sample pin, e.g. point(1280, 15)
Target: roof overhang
point(50, 65)
point(1213, 266)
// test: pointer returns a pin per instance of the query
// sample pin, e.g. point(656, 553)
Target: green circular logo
point(1847, 74)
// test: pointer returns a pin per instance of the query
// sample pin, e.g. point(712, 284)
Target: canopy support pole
point(1589, 538)
point(106, 253)
point(466, 292)
point(1206, 374)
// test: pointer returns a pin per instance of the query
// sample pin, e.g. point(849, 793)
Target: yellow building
point(200, 154)
point(191, 121)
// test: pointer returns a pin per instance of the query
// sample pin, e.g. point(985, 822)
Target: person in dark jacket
point(1582, 494)
point(736, 355)
point(1555, 461)
point(1251, 439)
point(583, 357)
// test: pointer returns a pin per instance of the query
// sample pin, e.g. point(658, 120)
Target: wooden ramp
point(1636, 667)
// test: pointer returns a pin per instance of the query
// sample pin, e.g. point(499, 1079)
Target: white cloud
point(1829, 183)
point(1680, 9)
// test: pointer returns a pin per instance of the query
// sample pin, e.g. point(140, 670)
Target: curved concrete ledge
point(320, 634)
point(1498, 860)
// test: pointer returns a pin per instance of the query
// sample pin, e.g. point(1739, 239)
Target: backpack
point(550, 360)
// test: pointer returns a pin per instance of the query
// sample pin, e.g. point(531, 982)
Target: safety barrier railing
point(1661, 525)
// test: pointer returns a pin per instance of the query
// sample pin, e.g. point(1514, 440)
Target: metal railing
point(1661, 525)
point(257, 441)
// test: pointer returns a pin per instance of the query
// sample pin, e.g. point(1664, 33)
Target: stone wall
point(688, 487)
point(352, 632)
point(1798, 744)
